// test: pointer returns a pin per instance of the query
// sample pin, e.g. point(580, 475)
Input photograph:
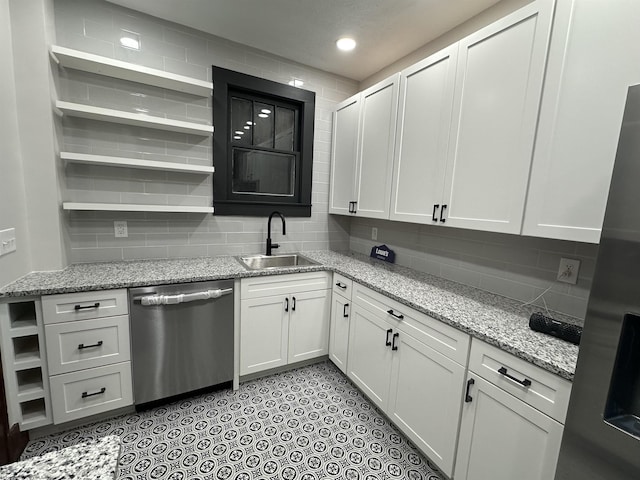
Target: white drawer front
point(256, 287)
point(80, 306)
point(88, 392)
point(445, 339)
point(84, 344)
point(342, 285)
point(547, 392)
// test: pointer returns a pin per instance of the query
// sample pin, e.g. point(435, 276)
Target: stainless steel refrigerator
point(602, 431)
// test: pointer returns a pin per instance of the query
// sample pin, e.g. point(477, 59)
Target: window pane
point(241, 128)
point(263, 129)
point(263, 173)
point(285, 129)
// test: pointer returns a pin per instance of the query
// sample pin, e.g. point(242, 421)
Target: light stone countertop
point(93, 460)
point(495, 319)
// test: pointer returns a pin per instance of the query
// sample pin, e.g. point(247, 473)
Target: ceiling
point(306, 30)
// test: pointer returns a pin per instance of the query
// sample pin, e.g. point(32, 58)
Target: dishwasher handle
point(152, 300)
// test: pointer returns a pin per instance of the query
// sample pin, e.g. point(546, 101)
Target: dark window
point(262, 146)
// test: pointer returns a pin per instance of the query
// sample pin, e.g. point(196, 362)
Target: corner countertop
point(492, 318)
point(93, 460)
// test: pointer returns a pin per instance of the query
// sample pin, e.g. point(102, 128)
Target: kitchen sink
point(261, 262)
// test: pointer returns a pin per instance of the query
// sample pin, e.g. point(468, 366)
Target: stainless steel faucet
point(270, 245)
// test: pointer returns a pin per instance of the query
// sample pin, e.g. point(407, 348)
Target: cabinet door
point(339, 331)
point(264, 331)
point(581, 112)
point(424, 122)
point(498, 85)
point(309, 325)
point(344, 155)
point(425, 399)
point(490, 424)
point(369, 362)
point(379, 113)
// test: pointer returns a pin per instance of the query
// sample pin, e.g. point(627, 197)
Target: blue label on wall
point(382, 252)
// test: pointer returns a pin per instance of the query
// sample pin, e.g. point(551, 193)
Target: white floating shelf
point(135, 119)
point(89, 62)
point(124, 207)
point(90, 159)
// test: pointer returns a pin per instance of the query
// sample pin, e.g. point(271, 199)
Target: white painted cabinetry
point(424, 121)
point(512, 419)
point(412, 367)
point(88, 353)
point(283, 319)
point(497, 95)
point(581, 112)
point(340, 318)
point(368, 160)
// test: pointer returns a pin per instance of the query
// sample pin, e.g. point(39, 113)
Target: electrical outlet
point(568, 270)
point(374, 233)
point(120, 228)
point(7, 241)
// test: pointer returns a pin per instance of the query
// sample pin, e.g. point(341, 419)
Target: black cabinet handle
point(525, 383)
point(95, 305)
point(387, 343)
point(99, 392)
point(293, 304)
point(468, 398)
point(391, 312)
point(355, 204)
point(344, 310)
point(286, 304)
point(435, 212)
point(393, 343)
point(442, 219)
point(83, 346)
point(341, 285)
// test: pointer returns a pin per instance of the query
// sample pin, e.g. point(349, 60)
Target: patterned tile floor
point(309, 424)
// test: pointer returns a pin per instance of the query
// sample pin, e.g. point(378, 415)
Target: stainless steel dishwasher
point(181, 338)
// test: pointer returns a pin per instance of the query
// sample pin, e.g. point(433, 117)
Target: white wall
point(13, 213)
point(95, 26)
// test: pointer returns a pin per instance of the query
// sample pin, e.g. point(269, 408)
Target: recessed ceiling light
point(346, 44)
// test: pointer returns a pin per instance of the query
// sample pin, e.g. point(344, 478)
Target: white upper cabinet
point(424, 120)
point(593, 58)
point(497, 95)
point(379, 113)
point(345, 152)
point(363, 142)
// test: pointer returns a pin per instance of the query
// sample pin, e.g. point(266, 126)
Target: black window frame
point(224, 201)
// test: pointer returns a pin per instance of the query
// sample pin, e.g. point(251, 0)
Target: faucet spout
point(270, 244)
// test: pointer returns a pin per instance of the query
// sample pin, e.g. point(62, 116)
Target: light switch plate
point(374, 233)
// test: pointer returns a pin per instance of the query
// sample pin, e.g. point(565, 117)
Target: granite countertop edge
point(481, 314)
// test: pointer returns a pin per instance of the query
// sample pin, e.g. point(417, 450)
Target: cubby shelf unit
point(130, 207)
point(25, 371)
point(128, 118)
point(88, 62)
point(90, 159)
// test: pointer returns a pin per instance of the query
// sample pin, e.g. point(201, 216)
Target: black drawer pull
point(341, 285)
point(393, 343)
point(391, 312)
point(468, 398)
point(83, 346)
point(344, 310)
point(79, 307)
point(387, 343)
point(99, 392)
point(293, 304)
point(286, 304)
point(442, 219)
point(435, 212)
point(525, 383)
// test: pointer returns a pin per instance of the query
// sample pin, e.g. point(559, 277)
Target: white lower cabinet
point(502, 436)
point(340, 320)
point(288, 327)
point(394, 358)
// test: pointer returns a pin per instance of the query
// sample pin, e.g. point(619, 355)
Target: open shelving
point(129, 207)
point(134, 119)
point(90, 159)
point(25, 372)
point(88, 62)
